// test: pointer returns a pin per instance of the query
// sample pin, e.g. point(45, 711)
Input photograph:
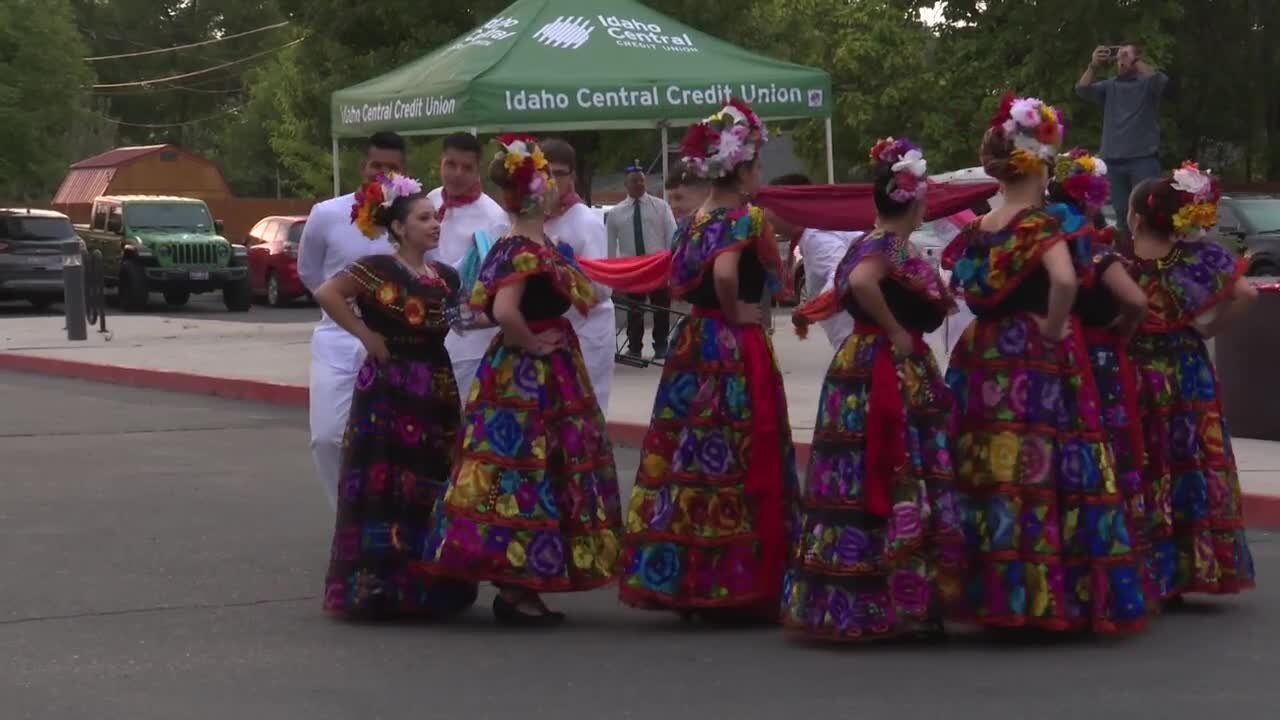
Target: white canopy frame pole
point(666, 163)
point(337, 169)
point(831, 155)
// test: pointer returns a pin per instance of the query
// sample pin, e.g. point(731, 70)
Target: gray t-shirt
point(1130, 114)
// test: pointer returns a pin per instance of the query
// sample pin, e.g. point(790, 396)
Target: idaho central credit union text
point(534, 100)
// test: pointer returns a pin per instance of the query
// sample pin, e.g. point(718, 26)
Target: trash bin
point(1245, 356)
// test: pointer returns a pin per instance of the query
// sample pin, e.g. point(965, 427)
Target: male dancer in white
point(464, 210)
point(331, 242)
point(820, 252)
point(574, 223)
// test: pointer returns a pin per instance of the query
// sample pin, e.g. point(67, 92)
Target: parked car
point(31, 255)
point(1250, 223)
point(167, 244)
point(273, 259)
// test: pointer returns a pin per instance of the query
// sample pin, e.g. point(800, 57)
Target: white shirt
point(457, 234)
point(330, 242)
point(583, 231)
point(656, 221)
point(822, 251)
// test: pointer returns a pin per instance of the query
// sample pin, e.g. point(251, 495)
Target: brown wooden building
point(165, 170)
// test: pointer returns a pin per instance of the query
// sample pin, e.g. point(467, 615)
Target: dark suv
point(1250, 223)
point(31, 255)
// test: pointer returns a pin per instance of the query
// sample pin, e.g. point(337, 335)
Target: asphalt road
point(205, 305)
point(161, 556)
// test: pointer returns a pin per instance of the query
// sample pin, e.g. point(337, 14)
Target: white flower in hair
point(734, 113)
point(1026, 112)
point(518, 147)
point(1099, 167)
point(912, 161)
point(1193, 181)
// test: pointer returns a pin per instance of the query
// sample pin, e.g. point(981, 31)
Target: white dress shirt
point(582, 230)
point(821, 251)
point(330, 242)
point(457, 234)
point(656, 220)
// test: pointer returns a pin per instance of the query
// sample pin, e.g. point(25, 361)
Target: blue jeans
point(1125, 175)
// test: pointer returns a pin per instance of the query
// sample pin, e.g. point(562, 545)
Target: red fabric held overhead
point(850, 207)
point(820, 207)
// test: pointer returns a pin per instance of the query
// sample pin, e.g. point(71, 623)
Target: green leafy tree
point(42, 76)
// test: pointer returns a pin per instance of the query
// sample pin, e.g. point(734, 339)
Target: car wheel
point(133, 288)
point(1264, 268)
point(177, 298)
point(238, 296)
point(274, 297)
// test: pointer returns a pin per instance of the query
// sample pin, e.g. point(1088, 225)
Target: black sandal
point(510, 614)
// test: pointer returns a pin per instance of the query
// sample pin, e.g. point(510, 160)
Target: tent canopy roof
point(572, 65)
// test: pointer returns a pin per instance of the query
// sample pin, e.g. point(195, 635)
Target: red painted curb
point(1261, 511)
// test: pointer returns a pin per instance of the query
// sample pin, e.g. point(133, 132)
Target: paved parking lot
point(162, 557)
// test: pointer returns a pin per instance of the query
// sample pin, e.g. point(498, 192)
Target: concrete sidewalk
point(264, 356)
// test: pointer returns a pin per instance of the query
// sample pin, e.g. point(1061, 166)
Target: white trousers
point(598, 356)
point(331, 390)
point(464, 372)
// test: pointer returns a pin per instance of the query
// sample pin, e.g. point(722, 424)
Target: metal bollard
point(73, 290)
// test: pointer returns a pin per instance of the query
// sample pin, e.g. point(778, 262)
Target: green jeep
point(170, 245)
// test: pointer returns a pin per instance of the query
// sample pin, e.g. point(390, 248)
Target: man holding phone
point(1130, 119)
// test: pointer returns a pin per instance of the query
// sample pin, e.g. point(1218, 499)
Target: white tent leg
point(831, 156)
point(666, 168)
point(337, 169)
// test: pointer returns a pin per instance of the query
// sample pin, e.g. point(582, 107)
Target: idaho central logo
point(565, 32)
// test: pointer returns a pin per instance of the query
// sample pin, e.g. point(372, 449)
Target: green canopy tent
point(544, 65)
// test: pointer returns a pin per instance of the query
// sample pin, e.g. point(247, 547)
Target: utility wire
point(156, 126)
point(194, 73)
point(187, 46)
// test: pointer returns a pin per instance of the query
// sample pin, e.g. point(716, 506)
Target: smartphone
point(1113, 52)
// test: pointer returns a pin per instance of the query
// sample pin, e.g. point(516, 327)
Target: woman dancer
point(882, 546)
point(712, 513)
point(404, 413)
point(532, 504)
point(1109, 306)
point(1196, 287)
point(1048, 537)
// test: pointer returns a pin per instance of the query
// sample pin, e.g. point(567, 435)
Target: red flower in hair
point(696, 141)
point(508, 138)
point(1006, 105)
point(745, 109)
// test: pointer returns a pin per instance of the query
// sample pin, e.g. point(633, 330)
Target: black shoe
point(511, 615)
point(633, 351)
point(660, 353)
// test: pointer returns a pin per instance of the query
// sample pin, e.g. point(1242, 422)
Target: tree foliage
point(266, 121)
point(41, 78)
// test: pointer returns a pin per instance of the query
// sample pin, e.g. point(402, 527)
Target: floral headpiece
point(527, 167)
point(1034, 127)
point(908, 166)
point(1199, 194)
point(717, 145)
point(1083, 177)
point(380, 193)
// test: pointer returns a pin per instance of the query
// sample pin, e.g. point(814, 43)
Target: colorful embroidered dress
point(397, 451)
point(1193, 491)
point(712, 514)
point(1114, 373)
point(882, 544)
point(533, 500)
point(1049, 542)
